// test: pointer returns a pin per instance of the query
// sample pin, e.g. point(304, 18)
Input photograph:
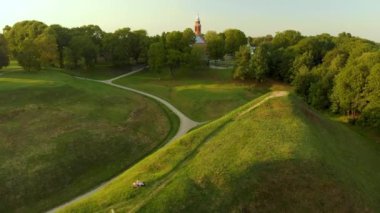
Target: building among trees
point(199, 40)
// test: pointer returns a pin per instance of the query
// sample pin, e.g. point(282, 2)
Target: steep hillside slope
point(277, 156)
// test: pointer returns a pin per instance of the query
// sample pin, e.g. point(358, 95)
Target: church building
point(199, 40)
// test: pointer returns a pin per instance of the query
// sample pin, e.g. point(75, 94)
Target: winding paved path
point(185, 125)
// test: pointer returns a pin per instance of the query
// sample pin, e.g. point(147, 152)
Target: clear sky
point(254, 17)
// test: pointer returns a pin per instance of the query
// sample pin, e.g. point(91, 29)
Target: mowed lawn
point(202, 95)
point(61, 136)
point(279, 157)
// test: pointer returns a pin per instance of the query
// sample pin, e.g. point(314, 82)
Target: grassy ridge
point(279, 157)
point(60, 136)
point(202, 95)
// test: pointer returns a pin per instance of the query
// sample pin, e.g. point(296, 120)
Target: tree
point(119, 46)
point(316, 47)
point(321, 87)
point(96, 35)
point(281, 63)
point(92, 31)
point(349, 89)
point(188, 37)
point(4, 58)
point(335, 60)
point(81, 48)
point(196, 56)
point(305, 59)
point(371, 113)
point(31, 44)
point(257, 41)
point(260, 63)
point(302, 82)
point(138, 45)
point(62, 36)
point(174, 41)
point(28, 58)
point(47, 48)
point(242, 70)
point(174, 59)
point(215, 45)
point(286, 39)
point(156, 55)
point(21, 31)
point(234, 39)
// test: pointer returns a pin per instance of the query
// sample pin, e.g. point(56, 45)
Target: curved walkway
point(185, 125)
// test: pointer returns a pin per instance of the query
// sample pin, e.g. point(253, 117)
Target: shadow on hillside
point(292, 186)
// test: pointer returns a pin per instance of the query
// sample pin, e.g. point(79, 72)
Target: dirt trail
point(274, 94)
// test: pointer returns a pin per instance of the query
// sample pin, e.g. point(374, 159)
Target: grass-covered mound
point(61, 136)
point(202, 95)
point(279, 157)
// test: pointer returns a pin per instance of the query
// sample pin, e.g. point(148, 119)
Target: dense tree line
point(175, 49)
point(339, 73)
point(35, 45)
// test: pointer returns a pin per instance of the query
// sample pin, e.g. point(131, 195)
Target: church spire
point(198, 26)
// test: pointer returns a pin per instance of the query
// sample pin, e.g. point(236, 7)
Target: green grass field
point(61, 136)
point(99, 72)
point(202, 95)
point(280, 157)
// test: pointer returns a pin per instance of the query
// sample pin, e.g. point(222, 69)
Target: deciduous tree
point(62, 36)
point(260, 63)
point(156, 55)
point(215, 45)
point(242, 70)
point(174, 59)
point(4, 57)
point(234, 39)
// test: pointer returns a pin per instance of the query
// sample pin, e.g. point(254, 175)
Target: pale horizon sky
point(254, 17)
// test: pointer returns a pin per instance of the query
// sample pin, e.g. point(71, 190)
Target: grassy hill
point(278, 157)
point(61, 136)
point(202, 95)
